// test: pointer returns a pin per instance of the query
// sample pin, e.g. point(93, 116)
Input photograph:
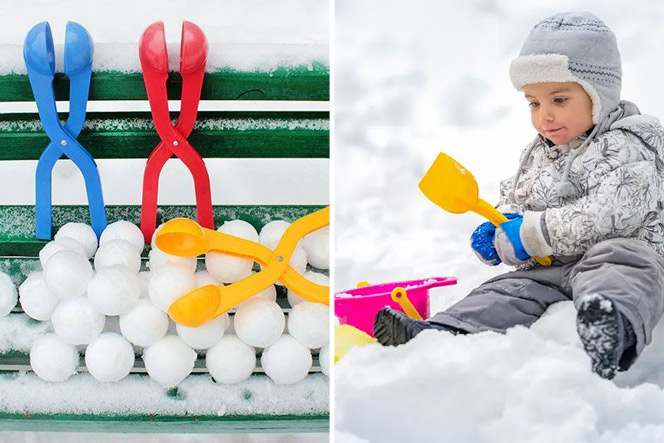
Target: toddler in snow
point(588, 192)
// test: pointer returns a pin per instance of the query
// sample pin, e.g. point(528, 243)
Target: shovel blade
point(450, 185)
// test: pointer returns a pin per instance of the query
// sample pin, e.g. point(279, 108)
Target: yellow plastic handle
point(399, 296)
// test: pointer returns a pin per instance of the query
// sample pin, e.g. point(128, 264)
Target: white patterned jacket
point(607, 184)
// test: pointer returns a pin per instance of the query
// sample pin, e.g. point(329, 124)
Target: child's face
point(559, 111)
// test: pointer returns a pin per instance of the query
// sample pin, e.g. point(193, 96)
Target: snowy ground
point(411, 81)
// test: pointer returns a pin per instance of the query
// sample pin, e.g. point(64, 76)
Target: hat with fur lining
point(572, 47)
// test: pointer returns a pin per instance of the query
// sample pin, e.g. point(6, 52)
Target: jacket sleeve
point(622, 193)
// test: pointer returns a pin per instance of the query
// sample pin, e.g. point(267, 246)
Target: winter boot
point(394, 328)
point(605, 335)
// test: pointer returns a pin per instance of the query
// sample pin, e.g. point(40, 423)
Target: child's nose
point(546, 115)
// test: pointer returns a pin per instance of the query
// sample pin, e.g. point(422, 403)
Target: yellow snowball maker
point(186, 238)
point(453, 188)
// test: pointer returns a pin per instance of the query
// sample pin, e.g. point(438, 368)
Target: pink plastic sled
point(358, 307)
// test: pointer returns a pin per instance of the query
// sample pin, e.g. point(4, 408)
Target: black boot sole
point(600, 332)
point(393, 328)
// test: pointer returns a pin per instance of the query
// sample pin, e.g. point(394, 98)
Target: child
point(588, 192)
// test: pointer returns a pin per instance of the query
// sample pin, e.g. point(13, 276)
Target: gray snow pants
point(626, 271)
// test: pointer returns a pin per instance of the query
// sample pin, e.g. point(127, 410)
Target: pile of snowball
point(77, 297)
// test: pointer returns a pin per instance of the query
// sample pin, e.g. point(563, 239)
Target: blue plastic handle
point(40, 62)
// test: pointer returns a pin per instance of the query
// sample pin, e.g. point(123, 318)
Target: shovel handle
point(496, 217)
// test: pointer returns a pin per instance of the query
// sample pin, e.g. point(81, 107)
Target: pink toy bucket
point(358, 307)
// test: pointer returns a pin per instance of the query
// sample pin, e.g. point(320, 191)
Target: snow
point(68, 273)
point(144, 324)
point(35, 298)
point(109, 357)
point(227, 268)
point(317, 247)
point(286, 361)
point(82, 233)
point(123, 230)
point(61, 243)
point(169, 361)
point(205, 336)
point(309, 324)
point(114, 290)
point(168, 283)
point(259, 322)
point(231, 360)
point(118, 252)
point(52, 359)
point(411, 81)
point(76, 321)
point(8, 294)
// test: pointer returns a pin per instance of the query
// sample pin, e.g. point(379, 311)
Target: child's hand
point(508, 242)
point(482, 241)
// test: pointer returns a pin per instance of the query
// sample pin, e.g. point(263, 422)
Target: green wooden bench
point(198, 404)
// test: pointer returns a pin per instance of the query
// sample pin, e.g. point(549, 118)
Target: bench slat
point(216, 135)
point(300, 83)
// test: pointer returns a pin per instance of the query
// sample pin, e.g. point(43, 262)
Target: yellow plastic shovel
point(186, 238)
point(347, 337)
point(450, 186)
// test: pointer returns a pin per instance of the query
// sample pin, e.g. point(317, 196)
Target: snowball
point(206, 336)
point(272, 233)
point(286, 361)
point(144, 279)
point(159, 258)
point(228, 268)
point(169, 361)
point(8, 294)
point(67, 274)
point(259, 322)
point(52, 359)
point(36, 300)
point(109, 357)
point(309, 323)
point(114, 290)
point(203, 278)
point(144, 324)
point(61, 244)
point(269, 293)
point(324, 359)
point(76, 322)
point(118, 252)
point(317, 247)
point(82, 233)
point(123, 230)
point(315, 277)
point(168, 284)
point(231, 360)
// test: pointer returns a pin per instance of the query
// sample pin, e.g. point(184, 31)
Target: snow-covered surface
point(415, 79)
point(243, 35)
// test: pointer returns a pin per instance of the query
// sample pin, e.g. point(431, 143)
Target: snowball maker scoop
point(39, 56)
point(453, 188)
point(154, 63)
point(186, 238)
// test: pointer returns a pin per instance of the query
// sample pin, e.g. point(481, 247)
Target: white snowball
point(309, 323)
point(168, 284)
point(317, 247)
point(227, 268)
point(203, 278)
point(76, 322)
point(109, 357)
point(114, 290)
point(286, 361)
point(169, 361)
point(52, 359)
point(67, 274)
point(315, 277)
point(144, 324)
point(36, 300)
point(82, 233)
point(272, 232)
point(8, 294)
point(144, 279)
point(61, 244)
point(231, 360)
point(159, 258)
point(324, 359)
point(206, 336)
point(259, 322)
point(123, 230)
point(118, 252)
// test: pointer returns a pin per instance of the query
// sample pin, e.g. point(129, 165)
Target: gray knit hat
point(572, 47)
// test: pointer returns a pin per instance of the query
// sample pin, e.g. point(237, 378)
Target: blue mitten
point(509, 246)
point(482, 241)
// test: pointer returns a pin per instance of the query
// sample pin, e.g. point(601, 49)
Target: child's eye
point(560, 100)
point(533, 104)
